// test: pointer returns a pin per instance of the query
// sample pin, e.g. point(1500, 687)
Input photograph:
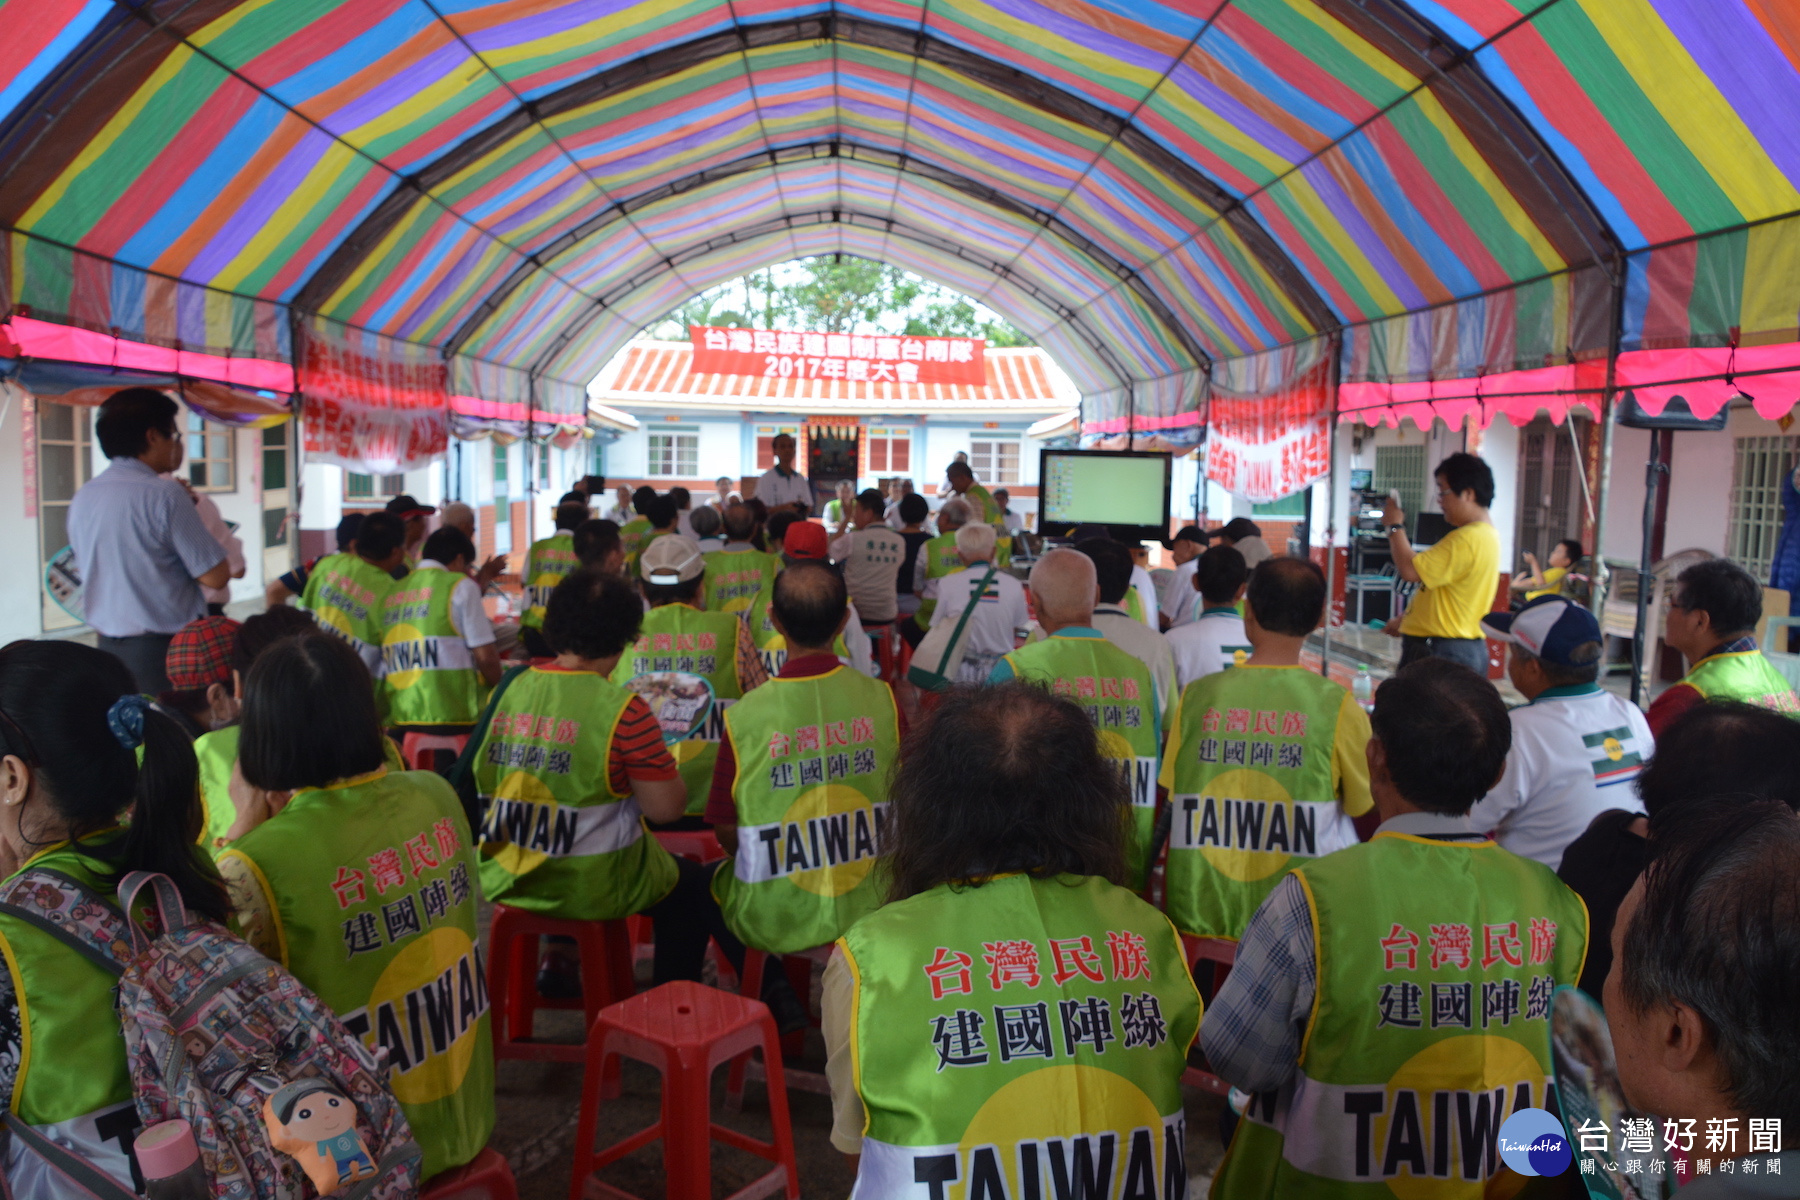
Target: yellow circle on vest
point(1613, 749)
point(1239, 658)
point(337, 619)
point(827, 800)
point(1061, 1102)
point(1114, 745)
point(1465, 1066)
point(398, 635)
point(440, 966)
point(1260, 797)
point(522, 787)
point(688, 749)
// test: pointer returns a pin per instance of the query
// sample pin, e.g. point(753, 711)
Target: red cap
point(200, 655)
point(804, 539)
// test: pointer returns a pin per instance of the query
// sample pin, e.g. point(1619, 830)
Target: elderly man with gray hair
point(999, 606)
point(1114, 688)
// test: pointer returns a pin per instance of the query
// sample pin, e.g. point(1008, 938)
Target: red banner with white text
point(855, 357)
point(371, 403)
point(1264, 447)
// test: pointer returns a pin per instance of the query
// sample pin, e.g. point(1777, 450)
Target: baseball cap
point(1549, 628)
point(1187, 533)
point(671, 559)
point(406, 508)
point(1239, 528)
point(200, 655)
point(805, 539)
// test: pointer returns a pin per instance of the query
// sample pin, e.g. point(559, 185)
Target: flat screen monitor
point(1432, 528)
point(1362, 479)
point(1125, 490)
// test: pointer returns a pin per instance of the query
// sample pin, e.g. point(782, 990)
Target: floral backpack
point(212, 1028)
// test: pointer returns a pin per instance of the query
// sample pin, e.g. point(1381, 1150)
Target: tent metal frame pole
point(1608, 412)
point(1331, 472)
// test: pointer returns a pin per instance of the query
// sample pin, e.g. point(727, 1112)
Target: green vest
point(374, 902)
point(547, 564)
point(813, 757)
point(1024, 1038)
point(344, 593)
point(557, 840)
point(217, 753)
point(1250, 793)
point(679, 637)
point(428, 674)
point(633, 534)
point(73, 1083)
point(770, 645)
point(1430, 1026)
point(1745, 676)
point(1119, 697)
point(941, 559)
point(734, 577)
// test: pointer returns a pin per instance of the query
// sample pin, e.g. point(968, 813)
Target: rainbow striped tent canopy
point(1455, 202)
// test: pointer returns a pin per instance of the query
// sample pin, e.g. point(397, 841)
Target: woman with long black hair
point(71, 725)
point(1012, 1016)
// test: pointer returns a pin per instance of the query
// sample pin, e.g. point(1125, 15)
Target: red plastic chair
point(1222, 954)
point(420, 750)
point(605, 949)
point(486, 1177)
point(685, 1030)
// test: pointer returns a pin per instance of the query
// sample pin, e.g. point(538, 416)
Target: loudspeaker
point(1675, 415)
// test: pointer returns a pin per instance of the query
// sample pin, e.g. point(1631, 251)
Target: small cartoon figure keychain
point(314, 1122)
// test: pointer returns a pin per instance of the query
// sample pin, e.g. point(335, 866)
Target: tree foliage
point(841, 294)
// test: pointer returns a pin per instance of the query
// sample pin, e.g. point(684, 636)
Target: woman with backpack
point(361, 880)
point(71, 724)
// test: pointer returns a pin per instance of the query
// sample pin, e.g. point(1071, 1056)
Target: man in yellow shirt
point(1460, 573)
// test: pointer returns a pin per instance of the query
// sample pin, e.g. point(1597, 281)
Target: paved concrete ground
point(538, 1104)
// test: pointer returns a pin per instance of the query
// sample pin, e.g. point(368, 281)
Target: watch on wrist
point(1396, 527)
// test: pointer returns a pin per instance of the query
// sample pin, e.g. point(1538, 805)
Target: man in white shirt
point(782, 486)
point(1178, 600)
point(1000, 609)
point(898, 490)
point(1573, 746)
point(870, 556)
point(1010, 521)
point(1113, 570)
point(1215, 639)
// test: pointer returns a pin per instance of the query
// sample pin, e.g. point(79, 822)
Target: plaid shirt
point(1252, 1030)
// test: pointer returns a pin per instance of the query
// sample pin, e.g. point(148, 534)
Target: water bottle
point(1363, 688)
point(170, 1162)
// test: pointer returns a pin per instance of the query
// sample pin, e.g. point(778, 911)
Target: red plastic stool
point(798, 966)
point(1222, 953)
point(486, 1177)
point(685, 1030)
point(420, 750)
point(606, 978)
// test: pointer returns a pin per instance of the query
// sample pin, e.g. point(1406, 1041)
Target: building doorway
point(1550, 495)
point(833, 454)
